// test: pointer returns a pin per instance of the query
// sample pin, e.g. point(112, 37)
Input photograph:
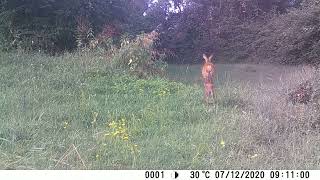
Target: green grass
point(57, 113)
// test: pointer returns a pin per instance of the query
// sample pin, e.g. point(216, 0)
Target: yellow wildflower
point(66, 124)
point(115, 133)
point(113, 124)
point(222, 143)
point(125, 138)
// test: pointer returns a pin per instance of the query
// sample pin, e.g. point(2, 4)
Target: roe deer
point(207, 76)
point(208, 90)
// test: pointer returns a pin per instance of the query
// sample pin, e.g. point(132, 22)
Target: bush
point(137, 56)
point(290, 38)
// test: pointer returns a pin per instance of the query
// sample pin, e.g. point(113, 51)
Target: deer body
point(208, 86)
point(207, 77)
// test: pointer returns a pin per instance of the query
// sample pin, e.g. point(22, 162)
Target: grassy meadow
point(77, 112)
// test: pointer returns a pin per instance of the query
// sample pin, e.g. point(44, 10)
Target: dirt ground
point(254, 74)
point(269, 75)
point(265, 87)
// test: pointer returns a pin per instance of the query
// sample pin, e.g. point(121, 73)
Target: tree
point(215, 26)
point(51, 24)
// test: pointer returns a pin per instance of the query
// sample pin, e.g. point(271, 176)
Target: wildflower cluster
point(118, 130)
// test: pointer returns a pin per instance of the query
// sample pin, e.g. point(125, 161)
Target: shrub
point(290, 38)
point(137, 56)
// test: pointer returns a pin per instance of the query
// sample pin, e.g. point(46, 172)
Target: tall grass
point(75, 112)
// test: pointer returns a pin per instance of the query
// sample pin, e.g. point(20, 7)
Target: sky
point(171, 9)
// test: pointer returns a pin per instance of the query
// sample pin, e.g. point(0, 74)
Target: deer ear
point(210, 58)
point(205, 57)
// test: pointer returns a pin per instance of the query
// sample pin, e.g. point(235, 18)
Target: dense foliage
point(240, 30)
point(51, 25)
point(223, 27)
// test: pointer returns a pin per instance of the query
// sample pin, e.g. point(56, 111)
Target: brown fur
point(208, 89)
point(207, 76)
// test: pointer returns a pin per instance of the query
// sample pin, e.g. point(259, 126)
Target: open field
point(75, 112)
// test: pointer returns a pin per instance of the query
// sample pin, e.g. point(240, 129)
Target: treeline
point(54, 25)
point(239, 30)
